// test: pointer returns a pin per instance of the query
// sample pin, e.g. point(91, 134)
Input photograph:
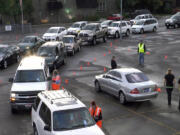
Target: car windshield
point(105, 23)
point(28, 40)
point(29, 76)
point(52, 31)
point(114, 25)
point(174, 17)
point(68, 39)
point(72, 119)
point(75, 25)
point(3, 49)
point(140, 23)
point(136, 78)
point(46, 51)
point(90, 27)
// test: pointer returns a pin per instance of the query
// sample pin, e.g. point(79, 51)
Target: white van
point(145, 26)
point(60, 113)
point(31, 77)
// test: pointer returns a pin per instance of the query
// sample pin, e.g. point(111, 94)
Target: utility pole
point(121, 19)
point(22, 15)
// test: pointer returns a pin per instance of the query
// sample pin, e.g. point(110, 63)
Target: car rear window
point(136, 78)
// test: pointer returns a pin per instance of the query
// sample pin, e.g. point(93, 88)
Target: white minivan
point(32, 76)
point(145, 25)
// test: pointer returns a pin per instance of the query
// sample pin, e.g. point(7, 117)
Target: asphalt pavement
point(142, 118)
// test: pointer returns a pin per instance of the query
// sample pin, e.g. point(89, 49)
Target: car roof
point(51, 43)
point(93, 24)
point(56, 27)
point(4, 45)
point(119, 21)
point(32, 36)
point(60, 100)
point(32, 63)
point(126, 70)
point(81, 22)
point(69, 36)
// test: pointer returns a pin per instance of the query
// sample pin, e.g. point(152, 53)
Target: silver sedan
point(128, 84)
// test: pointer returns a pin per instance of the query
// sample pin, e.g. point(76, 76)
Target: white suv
point(31, 77)
point(59, 112)
point(145, 25)
point(54, 33)
point(115, 28)
point(140, 17)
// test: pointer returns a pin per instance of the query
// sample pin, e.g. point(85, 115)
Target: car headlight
point(27, 47)
point(13, 95)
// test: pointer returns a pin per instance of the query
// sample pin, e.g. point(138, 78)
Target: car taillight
point(157, 89)
point(135, 91)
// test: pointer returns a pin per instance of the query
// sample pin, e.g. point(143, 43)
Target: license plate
point(28, 105)
point(146, 90)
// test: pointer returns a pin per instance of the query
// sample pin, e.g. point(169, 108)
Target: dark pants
point(169, 93)
point(179, 103)
point(141, 58)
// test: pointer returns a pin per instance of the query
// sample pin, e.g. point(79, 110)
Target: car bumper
point(20, 106)
point(86, 39)
point(136, 30)
point(49, 39)
point(109, 33)
point(169, 24)
point(141, 97)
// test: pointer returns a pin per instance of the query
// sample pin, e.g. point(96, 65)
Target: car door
point(44, 119)
point(124, 27)
point(146, 25)
point(9, 55)
point(116, 83)
point(104, 82)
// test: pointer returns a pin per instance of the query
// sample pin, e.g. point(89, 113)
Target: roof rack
point(52, 97)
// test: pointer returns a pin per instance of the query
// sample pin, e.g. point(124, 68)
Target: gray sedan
point(128, 84)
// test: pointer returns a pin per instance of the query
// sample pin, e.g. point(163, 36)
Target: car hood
point(169, 20)
point(93, 130)
point(87, 31)
point(68, 44)
point(50, 34)
point(73, 29)
point(136, 26)
point(33, 86)
point(113, 28)
point(23, 45)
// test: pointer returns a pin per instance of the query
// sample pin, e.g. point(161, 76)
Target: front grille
point(83, 35)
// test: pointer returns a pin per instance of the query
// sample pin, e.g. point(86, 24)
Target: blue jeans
point(141, 58)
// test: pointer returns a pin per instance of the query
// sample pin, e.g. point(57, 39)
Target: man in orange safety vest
point(56, 80)
point(96, 113)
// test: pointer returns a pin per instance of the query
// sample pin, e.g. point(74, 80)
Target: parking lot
point(142, 118)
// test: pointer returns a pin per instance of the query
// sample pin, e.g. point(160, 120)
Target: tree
point(11, 8)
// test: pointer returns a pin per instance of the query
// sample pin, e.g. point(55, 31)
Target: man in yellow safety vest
point(141, 52)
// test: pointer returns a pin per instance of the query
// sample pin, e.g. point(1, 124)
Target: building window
point(101, 5)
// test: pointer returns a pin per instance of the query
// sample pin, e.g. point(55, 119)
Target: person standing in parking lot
point(113, 63)
point(179, 92)
point(96, 113)
point(169, 83)
point(141, 52)
point(56, 80)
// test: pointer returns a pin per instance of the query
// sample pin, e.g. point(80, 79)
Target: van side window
point(45, 114)
point(36, 103)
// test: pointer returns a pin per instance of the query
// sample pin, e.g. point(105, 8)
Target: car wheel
point(5, 64)
point(104, 39)
point(73, 52)
point(79, 48)
point(97, 86)
point(175, 26)
point(154, 29)
point(17, 58)
point(122, 98)
point(57, 39)
point(127, 33)
point(142, 31)
point(94, 41)
point(13, 111)
point(35, 131)
point(117, 34)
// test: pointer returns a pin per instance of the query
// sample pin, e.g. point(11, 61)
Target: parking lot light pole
point(121, 20)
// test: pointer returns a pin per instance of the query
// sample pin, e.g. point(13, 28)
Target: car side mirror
point(11, 80)
point(47, 128)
